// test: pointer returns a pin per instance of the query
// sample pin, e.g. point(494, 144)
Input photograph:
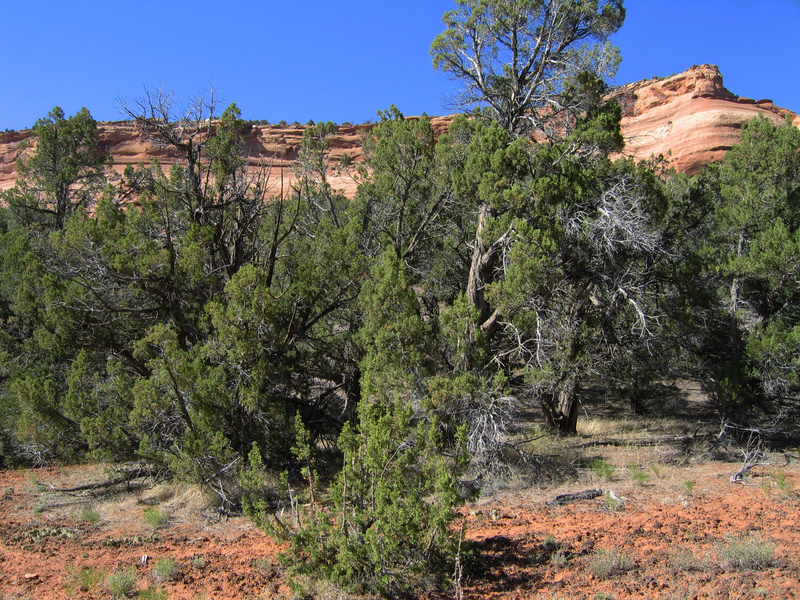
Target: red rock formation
point(272, 146)
point(10, 148)
point(690, 118)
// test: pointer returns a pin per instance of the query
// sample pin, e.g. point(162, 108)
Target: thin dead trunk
point(482, 266)
point(734, 334)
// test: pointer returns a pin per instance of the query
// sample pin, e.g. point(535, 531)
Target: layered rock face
point(690, 118)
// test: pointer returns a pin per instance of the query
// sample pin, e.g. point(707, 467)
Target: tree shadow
point(502, 564)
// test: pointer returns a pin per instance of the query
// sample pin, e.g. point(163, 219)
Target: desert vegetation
point(348, 372)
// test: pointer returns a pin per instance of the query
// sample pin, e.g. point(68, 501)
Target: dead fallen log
point(125, 477)
point(647, 442)
point(575, 497)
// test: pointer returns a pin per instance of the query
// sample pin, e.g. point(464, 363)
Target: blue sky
point(337, 61)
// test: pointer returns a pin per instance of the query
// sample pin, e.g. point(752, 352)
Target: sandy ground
point(670, 536)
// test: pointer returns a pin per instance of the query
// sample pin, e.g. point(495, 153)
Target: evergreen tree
point(753, 254)
point(65, 173)
point(392, 502)
point(529, 62)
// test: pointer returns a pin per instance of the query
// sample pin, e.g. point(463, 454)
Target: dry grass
point(607, 563)
point(747, 553)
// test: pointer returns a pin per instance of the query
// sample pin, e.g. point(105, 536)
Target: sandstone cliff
point(690, 118)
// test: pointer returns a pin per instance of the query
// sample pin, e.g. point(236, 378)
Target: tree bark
point(561, 409)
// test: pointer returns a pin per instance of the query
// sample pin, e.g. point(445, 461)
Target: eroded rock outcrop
point(690, 118)
point(273, 147)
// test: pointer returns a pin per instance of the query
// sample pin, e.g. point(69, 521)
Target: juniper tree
point(65, 173)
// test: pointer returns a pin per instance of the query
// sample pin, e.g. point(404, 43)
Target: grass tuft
point(784, 484)
point(153, 593)
point(166, 569)
point(87, 515)
point(747, 553)
point(85, 579)
point(607, 563)
point(638, 475)
point(122, 584)
point(683, 559)
point(602, 469)
point(155, 517)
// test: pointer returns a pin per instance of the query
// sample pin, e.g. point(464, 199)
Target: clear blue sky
point(337, 61)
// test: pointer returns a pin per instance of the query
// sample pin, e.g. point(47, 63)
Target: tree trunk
point(484, 261)
point(561, 409)
point(480, 270)
point(734, 340)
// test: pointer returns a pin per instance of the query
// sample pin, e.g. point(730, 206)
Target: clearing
point(669, 523)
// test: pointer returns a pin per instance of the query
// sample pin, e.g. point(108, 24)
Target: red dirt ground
point(46, 537)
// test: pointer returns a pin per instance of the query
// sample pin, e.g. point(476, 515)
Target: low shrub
point(155, 517)
point(746, 553)
point(122, 584)
point(607, 563)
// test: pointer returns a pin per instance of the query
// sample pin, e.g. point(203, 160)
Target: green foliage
point(64, 175)
point(518, 60)
point(202, 321)
point(637, 474)
point(683, 559)
point(191, 315)
point(87, 515)
point(405, 207)
point(129, 330)
point(385, 519)
point(394, 334)
point(746, 553)
point(155, 517)
point(753, 255)
point(602, 469)
point(784, 484)
point(607, 563)
point(568, 263)
point(153, 593)
point(166, 569)
point(122, 584)
point(550, 544)
point(84, 578)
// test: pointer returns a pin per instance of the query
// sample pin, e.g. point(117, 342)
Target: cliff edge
point(689, 118)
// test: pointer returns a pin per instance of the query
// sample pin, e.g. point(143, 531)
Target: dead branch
point(575, 497)
point(126, 477)
point(755, 454)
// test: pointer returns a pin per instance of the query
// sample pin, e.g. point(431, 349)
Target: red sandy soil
point(659, 521)
point(674, 536)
